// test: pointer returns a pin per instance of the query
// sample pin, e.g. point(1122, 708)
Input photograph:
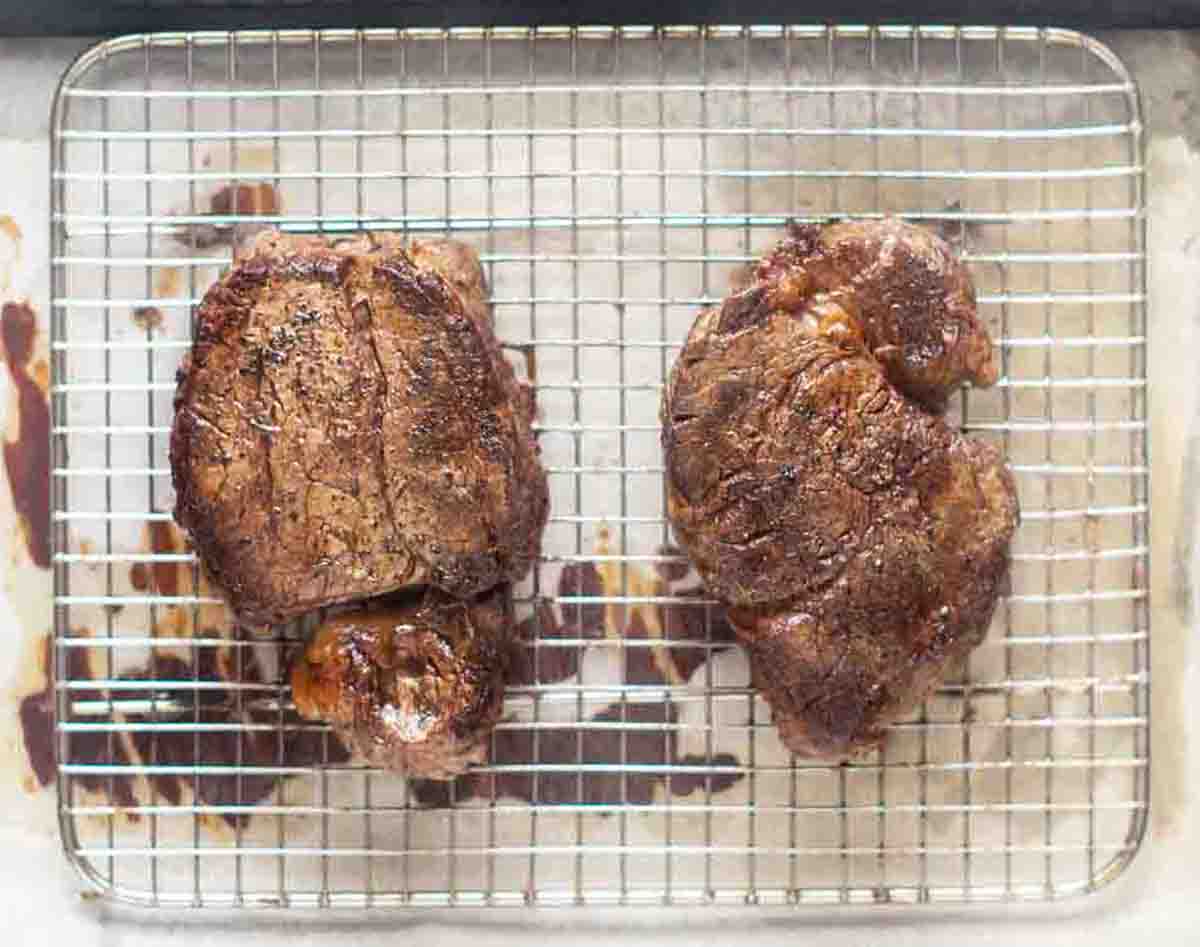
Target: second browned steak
point(346, 426)
point(861, 541)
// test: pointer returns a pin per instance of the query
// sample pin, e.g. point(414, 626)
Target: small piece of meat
point(346, 426)
point(860, 542)
point(416, 686)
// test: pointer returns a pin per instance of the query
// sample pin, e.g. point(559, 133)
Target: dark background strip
point(109, 17)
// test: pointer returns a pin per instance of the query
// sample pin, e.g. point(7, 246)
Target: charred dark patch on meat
point(900, 287)
point(424, 291)
point(742, 310)
point(27, 449)
point(803, 238)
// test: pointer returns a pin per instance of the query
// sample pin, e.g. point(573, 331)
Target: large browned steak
point(860, 541)
point(346, 426)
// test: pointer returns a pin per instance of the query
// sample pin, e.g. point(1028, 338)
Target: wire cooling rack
point(613, 181)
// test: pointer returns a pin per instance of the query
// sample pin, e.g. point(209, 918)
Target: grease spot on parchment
point(11, 240)
point(27, 440)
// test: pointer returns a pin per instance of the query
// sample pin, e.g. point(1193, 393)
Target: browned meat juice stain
point(171, 579)
point(36, 713)
point(27, 457)
point(168, 282)
point(291, 742)
point(582, 580)
point(292, 745)
point(147, 318)
point(295, 743)
point(549, 664)
point(139, 577)
point(41, 375)
point(12, 231)
point(162, 577)
point(10, 228)
point(568, 747)
point(532, 664)
point(162, 543)
point(245, 200)
point(683, 624)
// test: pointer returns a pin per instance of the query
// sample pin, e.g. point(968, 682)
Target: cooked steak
point(415, 686)
point(860, 541)
point(346, 426)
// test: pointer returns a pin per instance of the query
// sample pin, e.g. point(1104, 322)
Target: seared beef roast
point(416, 685)
point(346, 426)
point(860, 541)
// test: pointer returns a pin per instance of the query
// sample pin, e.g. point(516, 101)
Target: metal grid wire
point(613, 180)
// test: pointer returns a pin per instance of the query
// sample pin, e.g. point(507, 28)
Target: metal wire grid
point(612, 179)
